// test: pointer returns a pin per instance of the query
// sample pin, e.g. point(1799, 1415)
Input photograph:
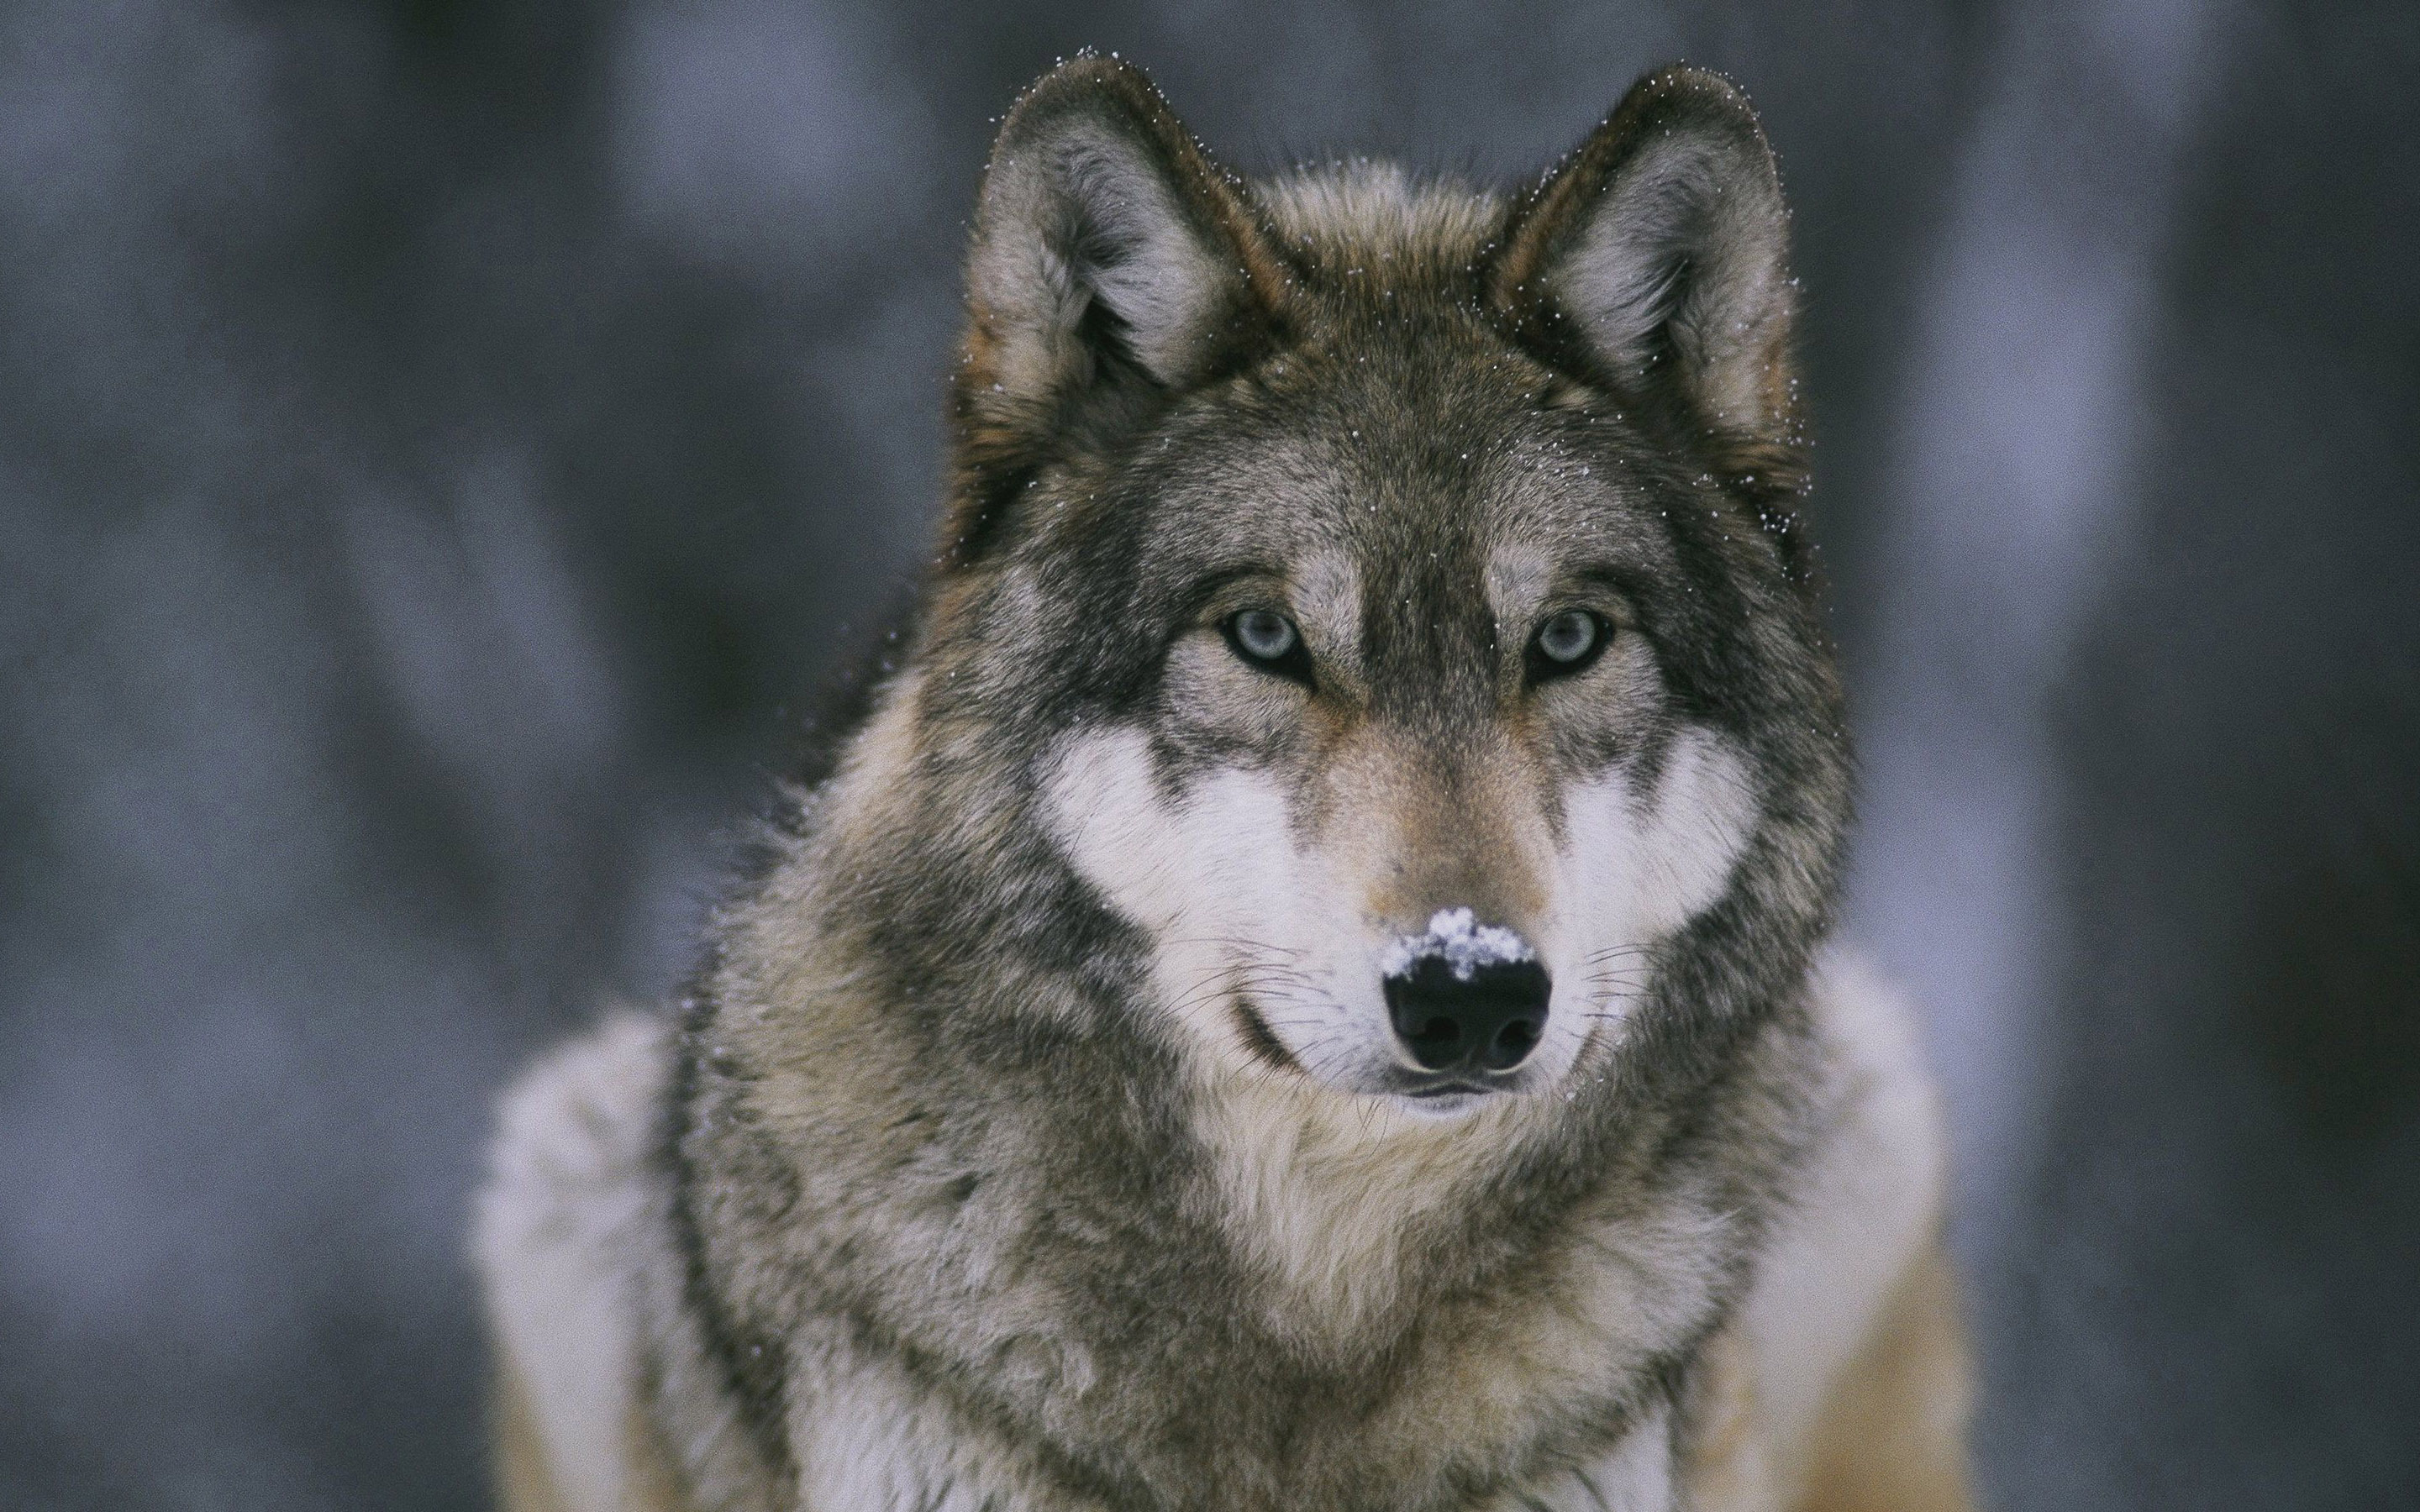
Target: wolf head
point(1370, 639)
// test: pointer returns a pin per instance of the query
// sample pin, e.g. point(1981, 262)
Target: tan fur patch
point(1894, 1433)
point(524, 1481)
point(1730, 1466)
point(1324, 1189)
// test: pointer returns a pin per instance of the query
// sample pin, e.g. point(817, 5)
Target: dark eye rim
point(1542, 668)
point(1294, 665)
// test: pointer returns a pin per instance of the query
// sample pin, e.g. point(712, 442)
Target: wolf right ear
point(1655, 258)
point(1112, 263)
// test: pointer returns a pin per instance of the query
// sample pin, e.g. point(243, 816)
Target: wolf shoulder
point(1850, 1333)
point(1840, 1383)
point(559, 1233)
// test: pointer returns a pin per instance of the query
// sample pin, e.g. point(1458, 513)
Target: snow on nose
point(1456, 936)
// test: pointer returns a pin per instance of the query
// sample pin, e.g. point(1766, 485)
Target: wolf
point(1310, 987)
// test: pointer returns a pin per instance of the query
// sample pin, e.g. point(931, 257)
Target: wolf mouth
point(1450, 1086)
point(1455, 1089)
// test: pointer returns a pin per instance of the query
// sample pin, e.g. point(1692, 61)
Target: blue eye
point(1269, 641)
point(1264, 636)
point(1566, 643)
point(1568, 636)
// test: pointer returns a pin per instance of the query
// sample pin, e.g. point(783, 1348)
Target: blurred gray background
point(447, 446)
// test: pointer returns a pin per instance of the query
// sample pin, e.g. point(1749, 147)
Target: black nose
point(1487, 1017)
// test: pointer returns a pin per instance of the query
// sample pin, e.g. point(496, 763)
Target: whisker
point(1228, 978)
point(1224, 985)
point(1239, 942)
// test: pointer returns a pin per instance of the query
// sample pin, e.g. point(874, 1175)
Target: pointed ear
point(1112, 263)
point(1655, 260)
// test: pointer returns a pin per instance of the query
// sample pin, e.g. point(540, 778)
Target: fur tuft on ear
point(1654, 260)
point(1112, 265)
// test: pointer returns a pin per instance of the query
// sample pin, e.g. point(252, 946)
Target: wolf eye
point(1566, 643)
point(1269, 641)
point(1264, 636)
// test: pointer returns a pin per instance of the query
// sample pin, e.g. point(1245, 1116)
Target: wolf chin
point(1308, 988)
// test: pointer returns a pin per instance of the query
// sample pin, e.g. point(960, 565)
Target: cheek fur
point(1637, 865)
point(1211, 873)
point(1236, 904)
point(1164, 860)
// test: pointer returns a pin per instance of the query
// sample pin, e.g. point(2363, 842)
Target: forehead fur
point(1395, 404)
point(1393, 430)
point(1373, 220)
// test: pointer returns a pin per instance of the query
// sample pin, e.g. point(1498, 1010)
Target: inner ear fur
point(1654, 261)
point(1112, 265)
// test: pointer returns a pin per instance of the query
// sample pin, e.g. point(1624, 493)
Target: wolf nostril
point(1516, 1037)
point(1464, 1015)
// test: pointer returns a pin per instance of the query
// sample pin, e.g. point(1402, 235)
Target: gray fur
point(933, 1220)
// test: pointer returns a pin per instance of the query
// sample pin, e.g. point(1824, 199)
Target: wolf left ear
point(1655, 260)
point(1112, 265)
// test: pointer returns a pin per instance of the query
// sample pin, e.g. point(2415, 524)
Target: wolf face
point(1410, 794)
point(1395, 588)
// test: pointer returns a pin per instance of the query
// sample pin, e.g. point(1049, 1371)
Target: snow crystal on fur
point(1466, 944)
